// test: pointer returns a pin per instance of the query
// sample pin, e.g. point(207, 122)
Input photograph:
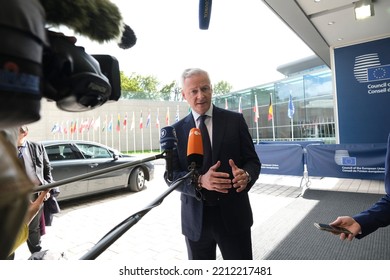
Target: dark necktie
point(207, 154)
point(20, 151)
point(210, 197)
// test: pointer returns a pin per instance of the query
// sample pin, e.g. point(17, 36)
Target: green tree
point(222, 87)
point(139, 87)
point(167, 90)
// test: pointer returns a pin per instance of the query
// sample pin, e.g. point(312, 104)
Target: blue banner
point(281, 159)
point(354, 161)
point(362, 73)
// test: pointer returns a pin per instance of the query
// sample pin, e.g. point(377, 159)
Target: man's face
point(198, 92)
point(22, 135)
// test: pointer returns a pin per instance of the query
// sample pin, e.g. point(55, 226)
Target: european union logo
point(378, 73)
point(350, 161)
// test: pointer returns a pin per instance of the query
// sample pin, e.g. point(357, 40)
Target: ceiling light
point(364, 9)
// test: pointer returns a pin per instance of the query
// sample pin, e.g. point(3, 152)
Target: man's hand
point(240, 178)
point(348, 223)
point(216, 181)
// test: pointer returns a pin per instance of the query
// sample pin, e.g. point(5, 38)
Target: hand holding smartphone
point(333, 229)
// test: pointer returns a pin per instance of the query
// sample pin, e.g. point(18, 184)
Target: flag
point(177, 114)
point(239, 106)
point(256, 110)
point(226, 104)
point(109, 128)
point(96, 124)
point(56, 128)
point(72, 127)
point(157, 120)
point(270, 110)
point(118, 124)
point(104, 124)
point(141, 124)
point(132, 123)
point(125, 121)
point(167, 117)
point(291, 108)
point(148, 120)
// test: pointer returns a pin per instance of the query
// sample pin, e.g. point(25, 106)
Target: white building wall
point(126, 139)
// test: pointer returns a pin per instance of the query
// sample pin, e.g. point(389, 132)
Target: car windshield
point(93, 151)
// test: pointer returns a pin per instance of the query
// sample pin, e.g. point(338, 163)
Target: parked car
point(70, 158)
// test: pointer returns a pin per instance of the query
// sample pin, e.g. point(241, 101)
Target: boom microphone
point(195, 149)
point(168, 142)
point(204, 14)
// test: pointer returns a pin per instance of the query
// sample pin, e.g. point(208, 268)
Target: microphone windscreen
point(195, 147)
point(168, 138)
point(204, 13)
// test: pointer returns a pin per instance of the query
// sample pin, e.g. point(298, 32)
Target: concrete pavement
point(157, 236)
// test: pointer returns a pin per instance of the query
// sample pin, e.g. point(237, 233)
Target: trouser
point(237, 246)
point(34, 233)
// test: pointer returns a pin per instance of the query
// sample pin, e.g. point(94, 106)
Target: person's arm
point(374, 217)
point(32, 210)
point(46, 166)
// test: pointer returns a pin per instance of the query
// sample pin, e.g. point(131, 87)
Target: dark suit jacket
point(41, 162)
point(231, 140)
point(379, 214)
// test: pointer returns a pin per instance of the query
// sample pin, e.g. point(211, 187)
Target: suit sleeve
point(46, 166)
point(375, 217)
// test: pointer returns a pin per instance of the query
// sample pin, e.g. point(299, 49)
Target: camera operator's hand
point(71, 39)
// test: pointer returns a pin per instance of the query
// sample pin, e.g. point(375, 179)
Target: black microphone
point(195, 149)
point(168, 142)
point(204, 13)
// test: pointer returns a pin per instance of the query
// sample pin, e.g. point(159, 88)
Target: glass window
point(93, 151)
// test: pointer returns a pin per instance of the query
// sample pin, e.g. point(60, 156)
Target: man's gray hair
point(191, 72)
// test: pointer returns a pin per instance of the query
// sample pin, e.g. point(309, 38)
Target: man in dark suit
point(216, 209)
point(38, 169)
point(368, 221)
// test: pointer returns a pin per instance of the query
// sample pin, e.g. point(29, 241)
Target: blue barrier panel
point(302, 143)
point(283, 159)
point(354, 161)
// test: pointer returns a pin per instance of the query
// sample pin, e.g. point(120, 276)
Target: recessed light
point(331, 22)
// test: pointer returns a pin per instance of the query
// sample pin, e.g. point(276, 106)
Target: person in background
point(36, 162)
point(368, 221)
point(216, 209)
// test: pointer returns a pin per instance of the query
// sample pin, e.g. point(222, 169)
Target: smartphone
point(333, 229)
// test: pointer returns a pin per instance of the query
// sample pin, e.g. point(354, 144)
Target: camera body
point(75, 79)
point(36, 63)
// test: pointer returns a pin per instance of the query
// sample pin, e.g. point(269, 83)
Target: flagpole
point(106, 128)
point(158, 127)
point(112, 130)
point(127, 135)
point(273, 122)
point(99, 131)
point(292, 130)
point(257, 119)
point(150, 132)
point(290, 114)
point(133, 128)
point(141, 122)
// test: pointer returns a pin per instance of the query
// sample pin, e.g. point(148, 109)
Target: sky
point(243, 46)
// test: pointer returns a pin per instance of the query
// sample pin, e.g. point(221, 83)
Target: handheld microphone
point(195, 149)
point(204, 13)
point(168, 142)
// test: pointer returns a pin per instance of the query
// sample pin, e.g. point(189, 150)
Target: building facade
point(297, 108)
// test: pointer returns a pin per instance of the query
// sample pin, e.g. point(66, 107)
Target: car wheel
point(137, 180)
